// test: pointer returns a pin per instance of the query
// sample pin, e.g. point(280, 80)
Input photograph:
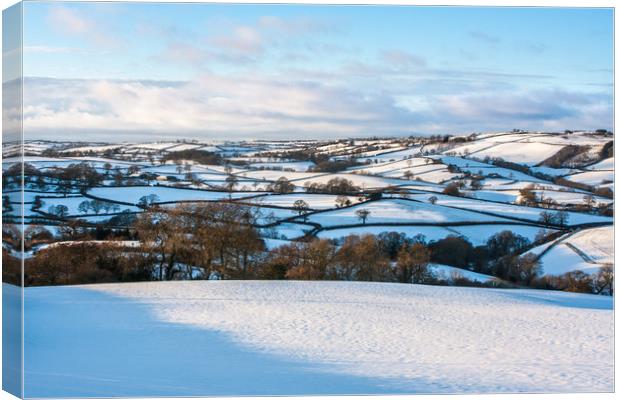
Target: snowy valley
point(442, 264)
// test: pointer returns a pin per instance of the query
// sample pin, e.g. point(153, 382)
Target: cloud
point(216, 106)
point(210, 106)
point(70, 22)
point(241, 44)
point(244, 39)
point(537, 109)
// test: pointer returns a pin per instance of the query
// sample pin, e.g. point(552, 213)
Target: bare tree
point(589, 201)
point(301, 207)
point(561, 218)
point(527, 268)
point(342, 201)
point(362, 214)
point(84, 207)
point(546, 218)
point(231, 182)
point(282, 186)
point(412, 264)
point(603, 281)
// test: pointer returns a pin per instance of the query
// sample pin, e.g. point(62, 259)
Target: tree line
point(221, 241)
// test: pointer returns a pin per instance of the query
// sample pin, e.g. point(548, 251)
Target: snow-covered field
point(448, 273)
point(561, 259)
point(476, 234)
point(429, 232)
point(509, 210)
point(521, 152)
point(597, 243)
point(586, 250)
point(133, 194)
point(286, 338)
point(399, 211)
point(593, 178)
point(314, 201)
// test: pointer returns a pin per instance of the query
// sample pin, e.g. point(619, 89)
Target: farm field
point(473, 188)
point(294, 338)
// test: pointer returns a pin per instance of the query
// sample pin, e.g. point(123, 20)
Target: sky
point(141, 71)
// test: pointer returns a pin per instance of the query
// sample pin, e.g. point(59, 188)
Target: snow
point(437, 175)
point(566, 197)
point(476, 234)
point(271, 175)
point(207, 337)
point(171, 169)
point(182, 147)
point(269, 215)
point(299, 166)
point(379, 169)
point(597, 243)
point(399, 211)
point(395, 155)
point(448, 273)
point(430, 232)
point(504, 196)
point(470, 148)
point(553, 171)
point(502, 172)
point(102, 147)
point(119, 243)
point(29, 196)
point(12, 339)
point(476, 167)
point(416, 170)
point(314, 201)
point(290, 230)
point(132, 194)
point(561, 259)
point(503, 185)
point(461, 162)
point(479, 234)
point(509, 210)
point(274, 243)
point(607, 164)
point(153, 146)
point(592, 178)
point(522, 153)
point(394, 152)
point(362, 181)
point(574, 138)
point(212, 149)
point(72, 203)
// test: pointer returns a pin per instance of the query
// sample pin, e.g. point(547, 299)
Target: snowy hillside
point(539, 186)
point(586, 250)
point(232, 338)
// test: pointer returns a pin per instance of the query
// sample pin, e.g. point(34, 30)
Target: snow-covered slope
point(400, 211)
point(244, 337)
point(587, 250)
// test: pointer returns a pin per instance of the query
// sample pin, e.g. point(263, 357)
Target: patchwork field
point(471, 187)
